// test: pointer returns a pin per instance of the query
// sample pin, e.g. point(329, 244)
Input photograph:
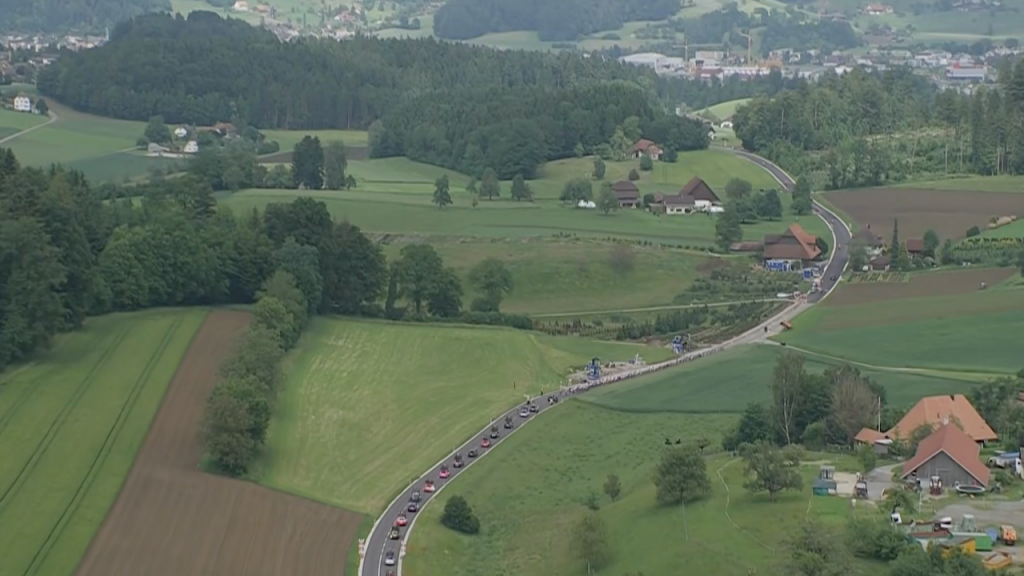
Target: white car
point(389, 558)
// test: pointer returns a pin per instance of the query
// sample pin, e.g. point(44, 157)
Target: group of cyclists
point(584, 386)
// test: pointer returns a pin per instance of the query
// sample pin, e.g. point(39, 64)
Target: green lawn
point(970, 333)
point(1014, 229)
point(726, 109)
point(70, 425)
point(369, 405)
point(530, 491)
point(394, 196)
point(727, 382)
point(972, 184)
point(12, 122)
point(565, 275)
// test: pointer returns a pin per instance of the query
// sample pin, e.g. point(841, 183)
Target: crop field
point(949, 213)
point(528, 498)
point(171, 519)
point(966, 332)
point(368, 405)
point(922, 285)
point(12, 122)
point(553, 275)
point(70, 426)
point(727, 382)
point(877, 277)
point(394, 196)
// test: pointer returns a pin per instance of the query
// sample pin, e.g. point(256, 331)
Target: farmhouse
point(877, 9)
point(695, 196)
point(951, 455)
point(936, 411)
point(22, 103)
point(191, 147)
point(791, 248)
point(644, 147)
point(627, 193)
point(915, 246)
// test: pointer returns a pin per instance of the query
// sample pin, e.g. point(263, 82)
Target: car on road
point(402, 520)
point(390, 573)
point(533, 408)
point(395, 533)
point(457, 461)
point(508, 422)
point(471, 454)
point(389, 558)
point(413, 507)
point(444, 473)
point(428, 486)
point(415, 496)
point(485, 443)
point(524, 412)
point(494, 432)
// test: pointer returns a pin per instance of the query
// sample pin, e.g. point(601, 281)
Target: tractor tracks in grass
point(108, 441)
point(728, 497)
point(58, 422)
point(53, 118)
point(7, 416)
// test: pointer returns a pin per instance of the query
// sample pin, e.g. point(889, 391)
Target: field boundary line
point(659, 308)
point(728, 498)
point(53, 118)
point(58, 423)
point(927, 372)
point(104, 451)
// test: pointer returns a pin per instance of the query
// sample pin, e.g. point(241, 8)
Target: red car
point(444, 473)
point(428, 486)
point(485, 443)
point(401, 520)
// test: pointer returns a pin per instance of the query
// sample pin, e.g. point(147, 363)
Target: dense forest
point(32, 16)
point(863, 129)
point(775, 30)
point(433, 101)
point(66, 254)
point(561, 20)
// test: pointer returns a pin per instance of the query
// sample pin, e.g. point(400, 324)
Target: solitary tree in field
point(770, 469)
point(520, 190)
point(442, 197)
point(490, 188)
point(459, 516)
point(737, 188)
point(493, 281)
point(801, 196)
point(769, 205)
point(308, 164)
point(681, 476)
point(599, 168)
point(590, 542)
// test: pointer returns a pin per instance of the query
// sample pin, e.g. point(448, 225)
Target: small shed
point(825, 484)
point(965, 543)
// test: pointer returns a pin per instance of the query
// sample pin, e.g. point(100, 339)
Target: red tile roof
point(952, 441)
point(937, 410)
point(793, 244)
point(869, 436)
point(642, 145)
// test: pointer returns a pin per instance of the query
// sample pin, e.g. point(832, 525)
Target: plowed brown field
point(949, 213)
point(171, 519)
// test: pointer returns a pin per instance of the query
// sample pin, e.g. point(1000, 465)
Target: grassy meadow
point(70, 425)
point(724, 110)
point(964, 333)
point(12, 122)
point(369, 405)
point(727, 382)
point(394, 196)
point(528, 499)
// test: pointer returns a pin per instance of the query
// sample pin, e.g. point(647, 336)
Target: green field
point(369, 405)
point(1012, 230)
point(953, 25)
point(971, 184)
point(727, 382)
point(394, 196)
point(725, 109)
point(966, 333)
point(566, 275)
point(531, 491)
point(70, 425)
point(12, 122)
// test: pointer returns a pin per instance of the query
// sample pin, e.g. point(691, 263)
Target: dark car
point(471, 454)
point(494, 432)
point(413, 507)
point(533, 407)
point(395, 533)
point(508, 422)
point(457, 461)
point(415, 496)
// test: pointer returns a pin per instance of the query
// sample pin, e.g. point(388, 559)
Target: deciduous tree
point(769, 205)
point(590, 542)
point(308, 164)
point(853, 405)
point(335, 164)
point(727, 228)
point(442, 196)
point(681, 476)
point(787, 381)
point(607, 201)
point(737, 188)
point(599, 168)
point(490, 188)
point(494, 281)
point(931, 243)
point(458, 516)
point(520, 189)
point(769, 469)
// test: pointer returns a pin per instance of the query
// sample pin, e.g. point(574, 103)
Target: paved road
point(378, 543)
point(53, 118)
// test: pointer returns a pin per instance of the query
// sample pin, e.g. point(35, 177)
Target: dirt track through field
point(171, 519)
point(949, 213)
point(954, 283)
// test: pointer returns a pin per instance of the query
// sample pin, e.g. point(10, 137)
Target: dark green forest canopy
point(31, 16)
point(552, 19)
point(778, 29)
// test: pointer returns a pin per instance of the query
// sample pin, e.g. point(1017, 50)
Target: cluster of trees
point(58, 16)
point(813, 409)
point(239, 408)
point(566, 20)
point(744, 206)
point(994, 400)
point(778, 29)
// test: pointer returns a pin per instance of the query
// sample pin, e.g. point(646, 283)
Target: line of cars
point(444, 473)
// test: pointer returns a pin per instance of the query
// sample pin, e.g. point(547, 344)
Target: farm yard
point(371, 399)
point(949, 213)
point(70, 426)
point(527, 500)
point(938, 320)
point(171, 519)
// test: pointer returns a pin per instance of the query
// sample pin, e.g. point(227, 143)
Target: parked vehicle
point(1008, 535)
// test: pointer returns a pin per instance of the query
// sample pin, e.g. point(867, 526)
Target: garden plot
point(877, 277)
point(951, 283)
point(949, 213)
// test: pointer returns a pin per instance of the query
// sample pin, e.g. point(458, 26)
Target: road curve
point(53, 118)
point(378, 542)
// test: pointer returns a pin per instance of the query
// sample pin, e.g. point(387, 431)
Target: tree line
point(564, 20)
point(59, 16)
point(866, 129)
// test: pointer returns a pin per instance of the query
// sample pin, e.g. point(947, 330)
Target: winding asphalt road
point(53, 118)
point(378, 543)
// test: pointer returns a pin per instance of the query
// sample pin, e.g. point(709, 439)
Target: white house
point(240, 6)
point(180, 132)
point(727, 124)
point(191, 147)
point(22, 103)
